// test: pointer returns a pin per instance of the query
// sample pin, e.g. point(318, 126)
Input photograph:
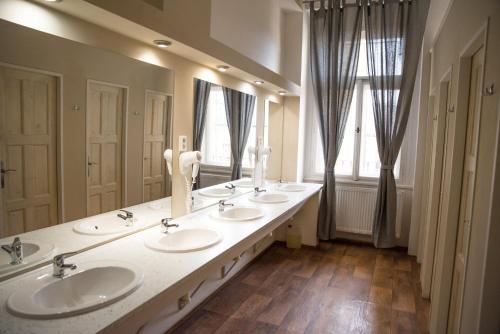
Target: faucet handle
point(127, 213)
point(58, 265)
point(165, 224)
point(166, 220)
point(59, 259)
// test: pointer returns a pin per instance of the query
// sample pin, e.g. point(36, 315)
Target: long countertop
point(163, 272)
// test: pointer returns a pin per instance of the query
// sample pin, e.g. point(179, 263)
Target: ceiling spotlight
point(222, 68)
point(259, 82)
point(282, 92)
point(161, 43)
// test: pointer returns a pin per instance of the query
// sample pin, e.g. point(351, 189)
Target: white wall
point(291, 45)
point(252, 29)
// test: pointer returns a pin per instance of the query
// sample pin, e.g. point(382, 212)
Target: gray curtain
point(334, 48)
point(394, 31)
point(239, 112)
point(201, 95)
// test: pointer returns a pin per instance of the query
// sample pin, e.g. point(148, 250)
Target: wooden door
point(28, 115)
point(467, 196)
point(156, 125)
point(105, 105)
point(432, 207)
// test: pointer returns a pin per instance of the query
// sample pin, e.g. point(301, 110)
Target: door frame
point(170, 109)
point(445, 250)
point(59, 135)
point(123, 135)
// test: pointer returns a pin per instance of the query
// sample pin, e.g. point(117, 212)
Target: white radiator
point(356, 207)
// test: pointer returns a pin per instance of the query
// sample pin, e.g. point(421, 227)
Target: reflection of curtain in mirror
point(201, 95)
point(239, 112)
point(394, 32)
point(335, 35)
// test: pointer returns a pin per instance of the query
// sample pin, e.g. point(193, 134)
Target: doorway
point(467, 195)
point(156, 127)
point(105, 110)
point(28, 150)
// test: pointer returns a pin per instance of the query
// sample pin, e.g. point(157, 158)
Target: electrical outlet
point(182, 143)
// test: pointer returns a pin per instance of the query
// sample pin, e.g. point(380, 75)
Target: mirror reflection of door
point(156, 127)
point(28, 104)
point(105, 106)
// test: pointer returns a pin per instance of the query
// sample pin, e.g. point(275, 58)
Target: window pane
point(362, 60)
point(216, 146)
point(369, 162)
point(344, 164)
point(247, 161)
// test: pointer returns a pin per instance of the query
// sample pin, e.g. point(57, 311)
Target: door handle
point(92, 163)
point(2, 174)
point(5, 171)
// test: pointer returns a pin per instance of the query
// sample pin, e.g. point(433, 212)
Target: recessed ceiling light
point(282, 92)
point(161, 43)
point(259, 82)
point(222, 68)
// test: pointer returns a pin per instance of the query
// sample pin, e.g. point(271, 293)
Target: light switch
point(182, 143)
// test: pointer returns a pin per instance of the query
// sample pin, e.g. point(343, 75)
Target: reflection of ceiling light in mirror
point(222, 68)
point(282, 92)
point(259, 82)
point(161, 43)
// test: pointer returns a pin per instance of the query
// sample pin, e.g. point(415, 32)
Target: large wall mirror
point(83, 133)
point(226, 132)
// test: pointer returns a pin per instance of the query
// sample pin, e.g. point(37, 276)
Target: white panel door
point(467, 196)
point(105, 105)
point(28, 125)
point(156, 124)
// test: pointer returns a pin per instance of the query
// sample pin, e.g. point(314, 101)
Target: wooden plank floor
point(345, 288)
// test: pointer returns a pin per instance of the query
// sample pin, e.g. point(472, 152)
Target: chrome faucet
point(165, 224)
point(128, 217)
point(257, 191)
point(15, 251)
point(59, 266)
point(231, 187)
point(223, 204)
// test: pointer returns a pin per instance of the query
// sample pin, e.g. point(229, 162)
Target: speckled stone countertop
point(161, 270)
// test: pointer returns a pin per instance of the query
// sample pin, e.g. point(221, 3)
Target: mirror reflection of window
point(248, 161)
point(216, 145)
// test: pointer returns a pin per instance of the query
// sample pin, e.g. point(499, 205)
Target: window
point(358, 157)
point(216, 144)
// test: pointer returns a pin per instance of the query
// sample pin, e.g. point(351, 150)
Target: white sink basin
point(269, 198)
point(290, 187)
point(217, 192)
point(105, 226)
point(33, 252)
point(185, 240)
point(238, 213)
point(93, 286)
